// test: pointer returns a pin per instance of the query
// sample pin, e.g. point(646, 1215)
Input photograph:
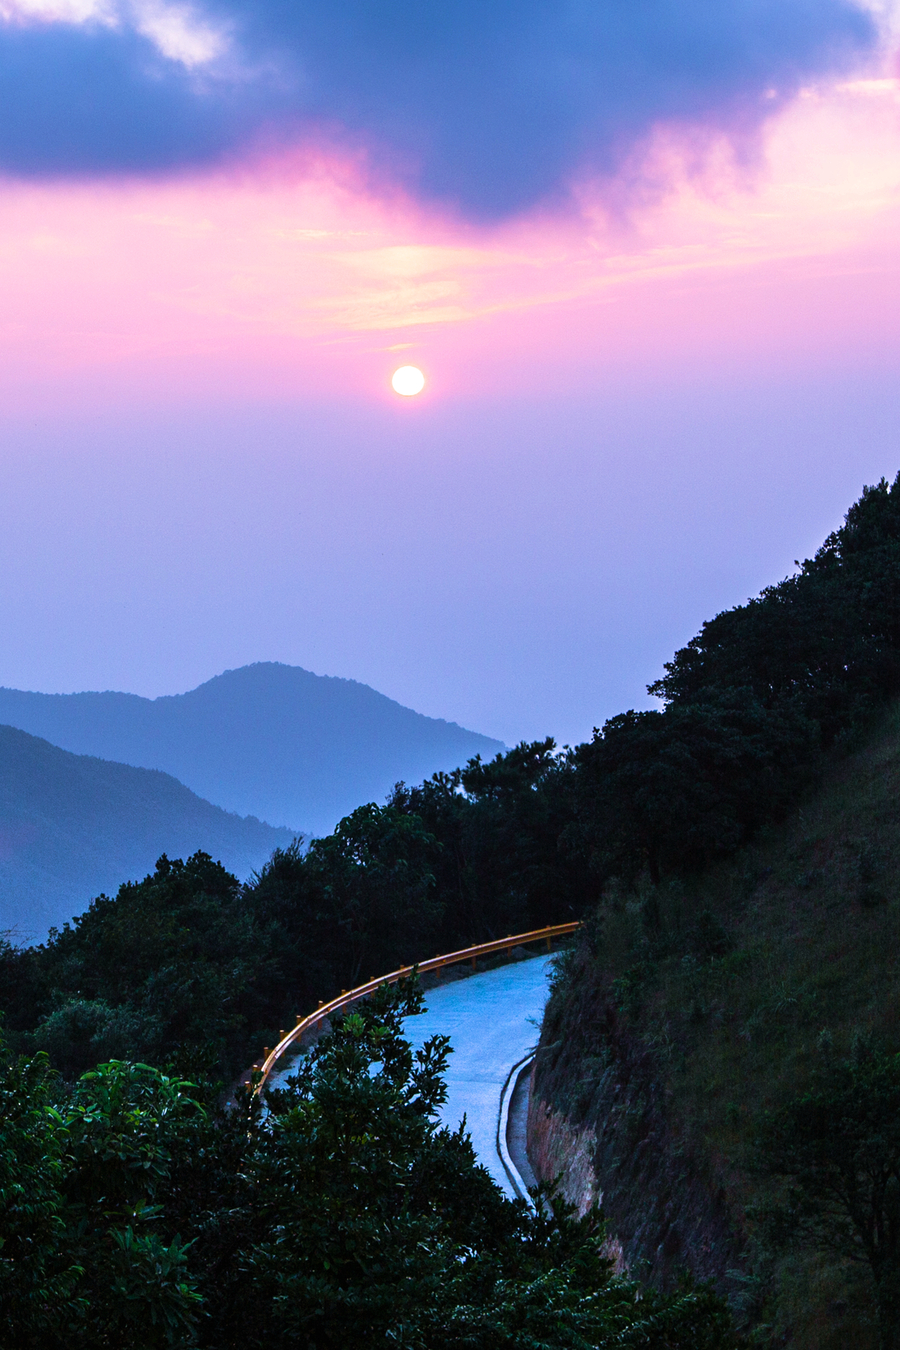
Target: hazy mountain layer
point(270, 740)
point(72, 827)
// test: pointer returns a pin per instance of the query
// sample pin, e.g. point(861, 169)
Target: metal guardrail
point(346, 997)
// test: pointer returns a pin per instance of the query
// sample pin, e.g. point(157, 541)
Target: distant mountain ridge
point(270, 740)
point(73, 827)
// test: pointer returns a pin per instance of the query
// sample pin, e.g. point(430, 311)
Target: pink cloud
point(288, 282)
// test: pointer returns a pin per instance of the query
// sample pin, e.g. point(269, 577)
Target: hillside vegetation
point(740, 967)
point(717, 998)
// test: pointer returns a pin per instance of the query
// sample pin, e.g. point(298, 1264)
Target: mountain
point(72, 827)
point(268, 740)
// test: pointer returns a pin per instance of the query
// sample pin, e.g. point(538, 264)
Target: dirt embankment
point(597, 1124)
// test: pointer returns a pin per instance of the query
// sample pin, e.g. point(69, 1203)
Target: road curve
point(493, 1021)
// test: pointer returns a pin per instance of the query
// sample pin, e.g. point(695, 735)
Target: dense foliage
point(134, 1214)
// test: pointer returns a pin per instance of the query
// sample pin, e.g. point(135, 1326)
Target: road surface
point(493, 1021)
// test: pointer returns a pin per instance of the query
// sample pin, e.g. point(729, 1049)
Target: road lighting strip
point(436, 963)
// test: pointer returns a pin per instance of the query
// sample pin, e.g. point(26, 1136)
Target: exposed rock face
point(597, 1124)
point(563, 1153)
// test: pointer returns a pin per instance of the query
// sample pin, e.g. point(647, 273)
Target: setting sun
point(408, 380)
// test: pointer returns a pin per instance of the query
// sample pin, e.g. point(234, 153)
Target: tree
point(828, 637)
point(838, 1147)
point(668, 791)
point(39, 1278)
point(502, 866)
point(172, 964)
point(375, 880)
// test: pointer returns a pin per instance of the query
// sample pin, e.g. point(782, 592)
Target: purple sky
point(521, 566)
point(648, 266)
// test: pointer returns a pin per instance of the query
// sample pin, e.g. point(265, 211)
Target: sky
point(646, 257)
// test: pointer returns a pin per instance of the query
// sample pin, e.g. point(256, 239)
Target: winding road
point(493, 1021)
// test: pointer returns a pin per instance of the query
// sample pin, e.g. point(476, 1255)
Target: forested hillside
point(694, 1007)
point(72, 826)
point(753, 703)
point(723, 1046)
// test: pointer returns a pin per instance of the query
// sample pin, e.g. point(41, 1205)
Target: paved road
point(493, 1022)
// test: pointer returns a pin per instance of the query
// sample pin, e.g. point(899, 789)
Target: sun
point(408, 380)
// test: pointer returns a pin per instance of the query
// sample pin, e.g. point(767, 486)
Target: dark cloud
point(86, 100)
point(491, 106)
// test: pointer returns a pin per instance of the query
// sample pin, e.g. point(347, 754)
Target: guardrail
point(348, 996)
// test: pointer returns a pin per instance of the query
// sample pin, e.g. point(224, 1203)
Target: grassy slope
point(803, 939)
